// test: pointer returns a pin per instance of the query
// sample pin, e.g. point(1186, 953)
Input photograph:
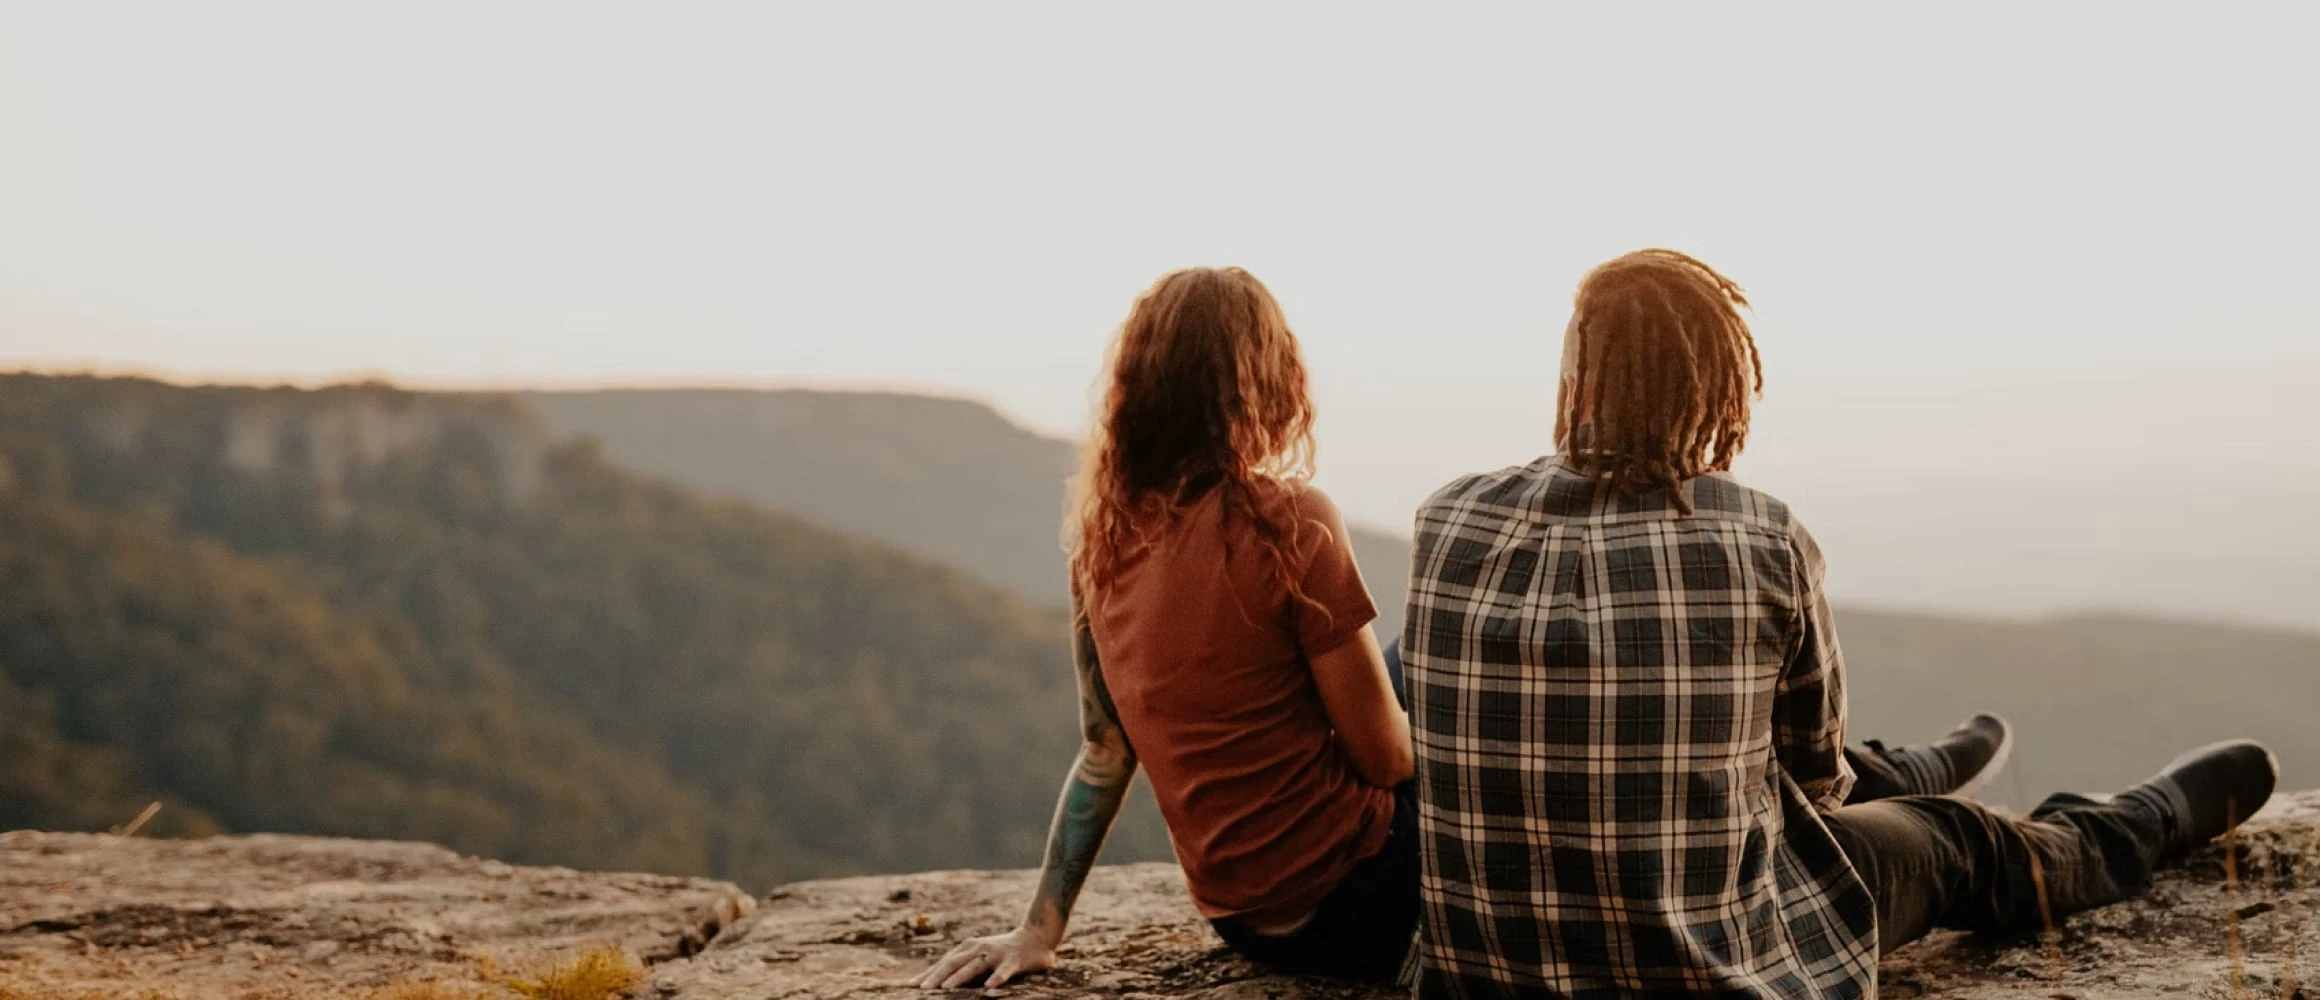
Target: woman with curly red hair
point(1222, 643)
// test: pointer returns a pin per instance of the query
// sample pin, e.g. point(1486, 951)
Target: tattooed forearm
point(1091, 795)
point(1091, 799)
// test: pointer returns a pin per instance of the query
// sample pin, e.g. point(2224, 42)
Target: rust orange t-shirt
point(1207, 658)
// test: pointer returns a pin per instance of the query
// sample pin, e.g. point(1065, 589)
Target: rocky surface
point(296, 917)
point(1135, 935)
point(90, 915)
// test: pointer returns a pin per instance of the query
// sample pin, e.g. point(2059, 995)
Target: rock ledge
point(268, 916)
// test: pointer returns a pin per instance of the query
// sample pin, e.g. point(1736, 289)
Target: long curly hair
point(1205, 390)
point(1660, 367)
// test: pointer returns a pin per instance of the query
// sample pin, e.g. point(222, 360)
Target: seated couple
point(1628, 773)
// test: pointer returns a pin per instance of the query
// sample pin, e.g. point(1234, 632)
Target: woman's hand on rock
point(994, 960)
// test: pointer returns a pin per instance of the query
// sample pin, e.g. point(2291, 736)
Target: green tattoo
point(1091, 795)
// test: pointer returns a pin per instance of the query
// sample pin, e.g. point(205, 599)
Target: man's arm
point(1808, 713)
point(1091, 799)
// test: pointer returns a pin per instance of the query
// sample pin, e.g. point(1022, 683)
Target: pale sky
point(2035, 282)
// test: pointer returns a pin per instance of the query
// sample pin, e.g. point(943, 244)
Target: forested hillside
point(365, 611)
point(142, 661)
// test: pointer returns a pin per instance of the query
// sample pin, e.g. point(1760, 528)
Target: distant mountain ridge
point(951, 478)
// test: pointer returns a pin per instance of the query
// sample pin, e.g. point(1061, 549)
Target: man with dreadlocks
point(1629, 711)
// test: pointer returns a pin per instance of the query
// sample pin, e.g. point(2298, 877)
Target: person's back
point(1205, 657)
point(1603, 679)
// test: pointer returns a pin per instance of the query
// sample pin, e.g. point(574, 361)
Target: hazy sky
point(2035, 282)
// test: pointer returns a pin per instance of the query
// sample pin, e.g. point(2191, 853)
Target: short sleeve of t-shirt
point(1330, 578)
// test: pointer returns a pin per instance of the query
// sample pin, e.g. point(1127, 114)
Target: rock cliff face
point(86, 916)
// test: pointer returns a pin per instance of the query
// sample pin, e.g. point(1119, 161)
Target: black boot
point(2206, 792)
point(1961, 763)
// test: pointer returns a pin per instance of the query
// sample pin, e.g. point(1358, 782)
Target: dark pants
point(1934, 862)
point(1874, 779)
point(1930, 861)
point(1363, 929)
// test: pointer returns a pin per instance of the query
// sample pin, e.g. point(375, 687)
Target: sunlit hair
point(1660, 368)
point(1205, 391)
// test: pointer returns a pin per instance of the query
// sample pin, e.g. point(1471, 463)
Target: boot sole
point(1972, 787)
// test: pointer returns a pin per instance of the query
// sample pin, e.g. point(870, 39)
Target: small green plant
point(597, 974)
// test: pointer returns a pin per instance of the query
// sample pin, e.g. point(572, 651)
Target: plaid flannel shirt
point(1628, 720)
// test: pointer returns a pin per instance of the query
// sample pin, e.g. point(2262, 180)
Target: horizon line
point(244, 378)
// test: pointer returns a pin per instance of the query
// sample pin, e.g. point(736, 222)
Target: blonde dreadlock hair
point(1659, 370)
point(1205, 391)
